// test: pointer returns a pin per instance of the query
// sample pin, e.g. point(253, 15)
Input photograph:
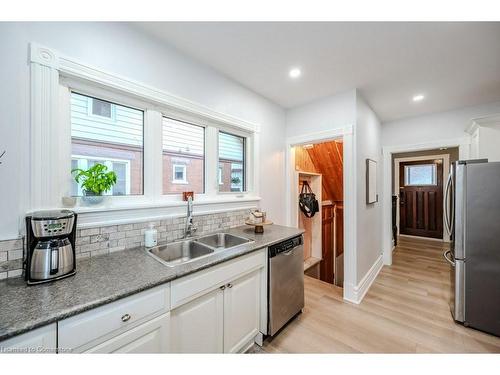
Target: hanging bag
point(308, 203)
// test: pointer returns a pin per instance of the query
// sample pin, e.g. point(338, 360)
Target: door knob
point(222, 287)
point(229, 285)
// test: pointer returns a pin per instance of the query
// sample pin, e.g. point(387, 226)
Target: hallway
point(405, 311)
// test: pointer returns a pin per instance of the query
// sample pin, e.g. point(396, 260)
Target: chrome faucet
point(190, 228)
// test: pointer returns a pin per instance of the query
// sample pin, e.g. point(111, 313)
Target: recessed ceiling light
point(295, 73)
point(418, 97)
point(308, 146)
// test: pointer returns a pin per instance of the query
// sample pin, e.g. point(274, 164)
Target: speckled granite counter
point(106, 278)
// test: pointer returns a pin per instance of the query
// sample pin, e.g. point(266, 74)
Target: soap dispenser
point(151, 236)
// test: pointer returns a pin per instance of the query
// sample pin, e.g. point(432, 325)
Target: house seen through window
point(231, 163)
point(183, 157)
point(109, 134)
point(179, 174)
point(101, 108)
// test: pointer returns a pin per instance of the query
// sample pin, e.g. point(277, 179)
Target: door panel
point(197, 326)
point(421, 201)
point(150, 337)
point(326, 265)
point(241, 311)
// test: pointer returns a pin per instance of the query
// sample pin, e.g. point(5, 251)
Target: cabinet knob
point(126, 318)
point(229, 285)
point(222, 287)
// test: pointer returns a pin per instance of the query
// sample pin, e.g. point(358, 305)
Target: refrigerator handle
point(452, 205)
point(445, 254)
point(446, 208)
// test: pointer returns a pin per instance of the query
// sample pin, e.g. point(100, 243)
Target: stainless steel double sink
point(181, 252)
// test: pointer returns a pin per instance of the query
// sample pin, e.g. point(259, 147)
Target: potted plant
point(94, 182)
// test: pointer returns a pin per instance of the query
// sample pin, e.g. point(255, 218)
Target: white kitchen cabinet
point(485, 138)
point(241, 311)
point(197, 326)
point(40, 340)
point(100, 326)
point(149, 337)
point(219, 310)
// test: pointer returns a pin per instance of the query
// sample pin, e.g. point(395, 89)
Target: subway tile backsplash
point(96, 241)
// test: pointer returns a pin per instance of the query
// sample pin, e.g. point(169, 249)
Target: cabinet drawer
point(112, 319)
point(150, 337)
point(40, 340)
point(190, 287)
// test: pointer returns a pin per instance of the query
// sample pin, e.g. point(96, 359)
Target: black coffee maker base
point(36, 282)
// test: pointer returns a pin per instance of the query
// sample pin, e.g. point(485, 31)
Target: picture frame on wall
point(371, 181)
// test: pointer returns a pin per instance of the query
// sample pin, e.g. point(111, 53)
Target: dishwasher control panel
point(284, 246)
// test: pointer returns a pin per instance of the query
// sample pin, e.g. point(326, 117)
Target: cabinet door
point(150, 337)
point(197, 326)
point(41, 340)
point(241, 311)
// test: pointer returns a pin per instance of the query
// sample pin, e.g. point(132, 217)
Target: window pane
point(121, 179)
point(116, 143)
point(231, 162)
point(424, 174)
point(101, 108)
point(183, 157)
point(74, 185)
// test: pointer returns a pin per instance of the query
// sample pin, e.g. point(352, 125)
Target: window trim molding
point(50, 108)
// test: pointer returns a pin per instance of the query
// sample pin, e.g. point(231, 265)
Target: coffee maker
point(50, 246)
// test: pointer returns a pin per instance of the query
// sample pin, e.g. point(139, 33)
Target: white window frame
point(108, 162)
point(54, 75)
point(184, 173)
point(247, 158)
point(221, 181)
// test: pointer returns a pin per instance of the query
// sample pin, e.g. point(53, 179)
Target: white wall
point(333, 112)
point(121, 49)
point(368, 216)
point(340, 111)
point(434, 127)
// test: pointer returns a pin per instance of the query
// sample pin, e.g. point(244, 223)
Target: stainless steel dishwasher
point(286, 282)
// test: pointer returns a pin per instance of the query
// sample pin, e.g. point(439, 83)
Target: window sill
point(113, 213)
point(178, 182)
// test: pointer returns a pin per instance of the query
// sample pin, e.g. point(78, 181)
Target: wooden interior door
point(326, 265)
point(421, 198)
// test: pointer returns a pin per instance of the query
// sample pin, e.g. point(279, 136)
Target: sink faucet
point(190, 228)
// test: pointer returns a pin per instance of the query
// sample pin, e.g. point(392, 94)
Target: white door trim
point(345, 133)
point(463, 145)
point(446, 171)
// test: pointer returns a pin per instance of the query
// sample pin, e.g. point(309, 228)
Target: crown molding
point(71, 68)
point(492, 120)
point(44, 56)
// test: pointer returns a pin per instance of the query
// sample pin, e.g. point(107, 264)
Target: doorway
point(421, 198)
point(321, 166)
point(419, 178)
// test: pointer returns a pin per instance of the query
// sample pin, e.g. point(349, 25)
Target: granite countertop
point(107, 278)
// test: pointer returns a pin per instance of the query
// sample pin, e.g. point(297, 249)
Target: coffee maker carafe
point(50, 245)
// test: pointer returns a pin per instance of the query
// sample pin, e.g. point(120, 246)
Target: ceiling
point(453, 64)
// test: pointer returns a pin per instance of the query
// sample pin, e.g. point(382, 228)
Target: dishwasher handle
point(288, 252)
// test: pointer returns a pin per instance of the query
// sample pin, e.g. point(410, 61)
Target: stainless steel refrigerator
point(472, 216)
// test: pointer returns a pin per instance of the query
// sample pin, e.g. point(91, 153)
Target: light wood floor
point(405, 311)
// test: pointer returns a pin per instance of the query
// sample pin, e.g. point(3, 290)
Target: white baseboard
point(366, 282)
